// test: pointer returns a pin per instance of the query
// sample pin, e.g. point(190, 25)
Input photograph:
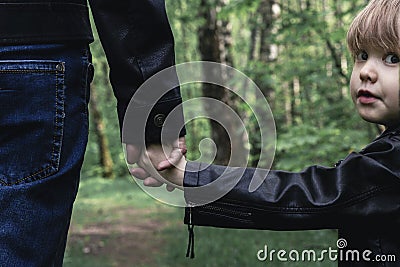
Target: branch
point(336, 60)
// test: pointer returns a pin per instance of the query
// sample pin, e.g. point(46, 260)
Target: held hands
point(159, 164)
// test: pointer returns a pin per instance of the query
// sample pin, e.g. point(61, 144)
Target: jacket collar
point(394, 130)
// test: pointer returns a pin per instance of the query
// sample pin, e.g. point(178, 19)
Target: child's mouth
point(366, 97)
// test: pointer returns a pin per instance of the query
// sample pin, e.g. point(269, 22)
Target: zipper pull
point(190, 248)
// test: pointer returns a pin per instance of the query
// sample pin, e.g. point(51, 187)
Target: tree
point(214, 37)
point(105, 160)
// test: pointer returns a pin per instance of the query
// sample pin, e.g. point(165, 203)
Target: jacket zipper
point(190, 248)
point(220, 210)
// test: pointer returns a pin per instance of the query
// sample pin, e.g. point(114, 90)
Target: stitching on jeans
point(55, 128)
point(28, 71)
point(26, 178)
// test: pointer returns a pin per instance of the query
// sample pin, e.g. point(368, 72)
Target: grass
point(227, 247)
point(114, 223)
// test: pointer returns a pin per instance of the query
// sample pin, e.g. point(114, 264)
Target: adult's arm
point(138, 42)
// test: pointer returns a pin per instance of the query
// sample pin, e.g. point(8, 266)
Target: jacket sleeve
point(138, 43)
point(363, 188)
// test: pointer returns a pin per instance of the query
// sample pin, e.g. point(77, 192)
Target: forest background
point(294, 50)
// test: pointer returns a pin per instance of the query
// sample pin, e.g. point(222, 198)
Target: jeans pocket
point(31, 119)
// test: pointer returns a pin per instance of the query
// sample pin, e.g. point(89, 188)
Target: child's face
point(374, 86)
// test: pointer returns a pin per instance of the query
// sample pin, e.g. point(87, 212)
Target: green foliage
point(312, 56)
point(308, 145)
point(310, 42)
point(322, 106)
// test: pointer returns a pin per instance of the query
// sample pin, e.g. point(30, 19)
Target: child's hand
point(155, 168)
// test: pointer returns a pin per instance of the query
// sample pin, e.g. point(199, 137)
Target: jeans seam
point(53, 153)
point(28, 71)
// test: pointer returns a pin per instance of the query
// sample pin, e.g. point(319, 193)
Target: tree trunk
point(106, 162)
point(266, 13)
point(214, 43)
point(264, 19)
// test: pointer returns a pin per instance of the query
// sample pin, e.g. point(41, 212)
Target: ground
point(124, 242)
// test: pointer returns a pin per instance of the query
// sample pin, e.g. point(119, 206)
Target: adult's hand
point(159, 159)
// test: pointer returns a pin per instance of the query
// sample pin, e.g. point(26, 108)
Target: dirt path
point(131, 239)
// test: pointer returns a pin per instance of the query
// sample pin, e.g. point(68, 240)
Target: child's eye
point(392, 59)
point(362, 56)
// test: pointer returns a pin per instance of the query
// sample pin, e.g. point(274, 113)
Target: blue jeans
point(44, 92)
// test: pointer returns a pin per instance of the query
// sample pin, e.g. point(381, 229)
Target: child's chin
point(372, 120)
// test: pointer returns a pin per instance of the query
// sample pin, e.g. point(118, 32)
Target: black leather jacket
point(135, 35)
point(360, 197)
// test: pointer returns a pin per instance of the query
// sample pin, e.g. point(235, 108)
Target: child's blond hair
point(376, 26)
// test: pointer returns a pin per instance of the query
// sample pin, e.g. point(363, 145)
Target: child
point(360, 196)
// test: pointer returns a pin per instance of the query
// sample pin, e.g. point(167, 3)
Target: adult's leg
point(43, 136)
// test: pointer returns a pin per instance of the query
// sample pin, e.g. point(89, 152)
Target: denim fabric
point(43, 136)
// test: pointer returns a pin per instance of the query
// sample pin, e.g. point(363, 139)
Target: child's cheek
point(353, 85)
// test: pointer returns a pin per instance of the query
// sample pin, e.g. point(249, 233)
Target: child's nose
point(368, 72)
